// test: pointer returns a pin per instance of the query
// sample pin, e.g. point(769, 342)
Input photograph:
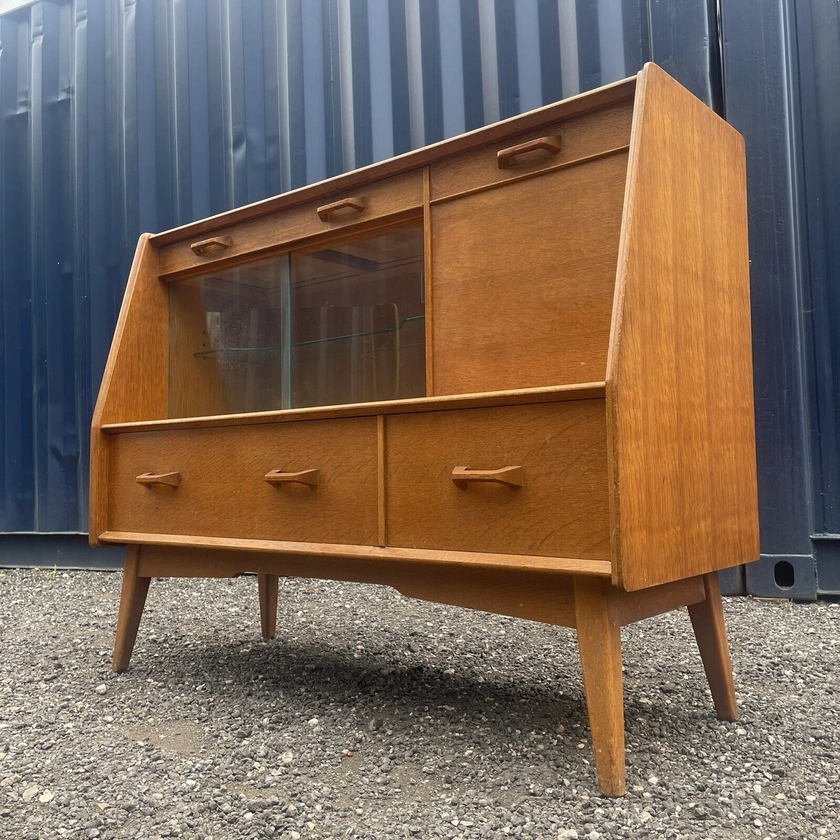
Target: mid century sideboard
point(510, 371)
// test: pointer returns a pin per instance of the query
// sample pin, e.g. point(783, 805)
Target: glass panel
point(338, 325)
point(226, 341)
point(358, 328)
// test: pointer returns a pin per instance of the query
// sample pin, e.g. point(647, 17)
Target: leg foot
point(268, 585)
point(132, 601)
point(710, 632)
point(599, 640)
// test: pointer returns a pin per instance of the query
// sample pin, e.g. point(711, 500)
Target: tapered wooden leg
point(599, 640)
point(710, 631)
point(268, 585)
point(132, 601)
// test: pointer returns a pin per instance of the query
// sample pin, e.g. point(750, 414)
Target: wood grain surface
point(524, 280)
point(631, 607)
point(680, 396)
point(267, 589)
point(135, 382)
point(223, 491)
point(562, 508)
point(428, 285)
point(539, 595)
point(584, 454)
point(580, 137)
point(499, 132)
point(258, 236)
point(599, 641)
point(524, 396)
point(135, 588)
point(334, 555)
point(710, 631)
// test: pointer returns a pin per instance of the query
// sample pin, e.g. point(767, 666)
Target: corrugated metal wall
point(123, 116)
point(782, 90)
point(118, 116)
point(818, 32)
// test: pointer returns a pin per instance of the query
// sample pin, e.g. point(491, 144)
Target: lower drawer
point(222, 489)
point(561, 508)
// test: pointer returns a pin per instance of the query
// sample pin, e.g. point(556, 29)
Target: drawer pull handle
point(506, 158)
point(309, 477)
point(210, 246)
point(509, 476)
point(172, 479)
point(357, 205)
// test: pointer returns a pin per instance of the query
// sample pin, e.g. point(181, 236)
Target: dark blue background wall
point(123, 116)
point(781, 64)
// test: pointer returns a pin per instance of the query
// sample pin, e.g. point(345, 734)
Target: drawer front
point(223, 492)
point(561, 508)
point(338, 212)
point(581, 137)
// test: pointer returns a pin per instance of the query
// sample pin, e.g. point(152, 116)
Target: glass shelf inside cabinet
point(334, 325)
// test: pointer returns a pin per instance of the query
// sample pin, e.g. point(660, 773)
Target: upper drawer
point(337, 212)
point(329, 494)
point(536, 151)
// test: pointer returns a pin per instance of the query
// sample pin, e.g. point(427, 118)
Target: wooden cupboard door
point(221, 488)
point(561, 508)
point(523, 279)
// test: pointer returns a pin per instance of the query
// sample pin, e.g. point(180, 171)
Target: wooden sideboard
point(510, 371)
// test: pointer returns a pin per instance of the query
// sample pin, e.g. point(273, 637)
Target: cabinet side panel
point(98, 502)
point(680, 392)
point(134, 384)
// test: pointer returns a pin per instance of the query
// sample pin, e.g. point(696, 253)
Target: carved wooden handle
point(171, 479)
point(509, 476)
point(356, 204)
point(210, 246)
point(506, 158)
point(309, 477)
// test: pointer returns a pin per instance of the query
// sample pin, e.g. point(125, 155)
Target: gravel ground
point(375, 716)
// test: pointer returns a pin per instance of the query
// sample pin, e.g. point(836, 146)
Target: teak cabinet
point(511, 371)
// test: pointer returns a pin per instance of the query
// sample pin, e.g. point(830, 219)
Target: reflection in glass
point(358, 331)
point(343, 324)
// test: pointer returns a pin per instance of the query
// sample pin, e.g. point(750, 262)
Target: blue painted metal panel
point(759, 91)
point(782, 91)
point(59, 551)
point(123, 116)
point(818, 50)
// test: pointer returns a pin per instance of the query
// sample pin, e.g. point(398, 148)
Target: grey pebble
point(375, 716)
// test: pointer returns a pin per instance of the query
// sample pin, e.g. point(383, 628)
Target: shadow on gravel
point(384, 691)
